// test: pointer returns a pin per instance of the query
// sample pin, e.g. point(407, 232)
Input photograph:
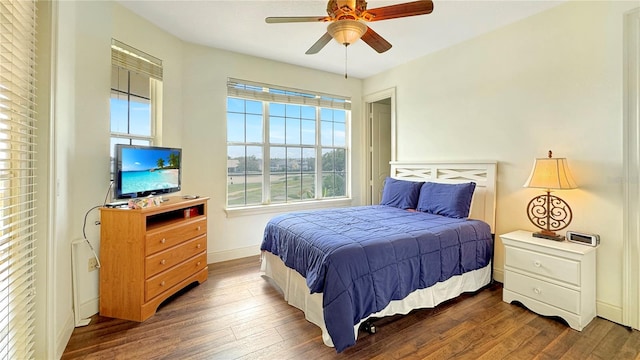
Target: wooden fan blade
point(294, 19)
point(420, 7)
point(315, 48)
point(377, 42)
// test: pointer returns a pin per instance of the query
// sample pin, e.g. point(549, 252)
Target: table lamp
point(549, 212)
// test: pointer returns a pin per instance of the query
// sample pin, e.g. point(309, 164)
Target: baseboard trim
point(219, 256)
point(498, 275)
point(64, 335)
point(609, 312)
point(89, 308)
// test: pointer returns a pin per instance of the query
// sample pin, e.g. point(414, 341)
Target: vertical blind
point(17, 177)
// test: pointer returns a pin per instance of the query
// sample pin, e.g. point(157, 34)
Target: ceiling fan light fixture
point(346, 31)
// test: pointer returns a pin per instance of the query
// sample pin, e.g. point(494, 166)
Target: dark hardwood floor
point(237, 314)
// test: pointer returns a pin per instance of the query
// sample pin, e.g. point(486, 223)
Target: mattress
point(296, 293)
point(363, 258)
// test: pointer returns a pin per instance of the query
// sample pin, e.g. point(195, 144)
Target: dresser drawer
point(165, 259)
point(165, 280)
point(545, 292)
point(550, 266)
point(168, 236)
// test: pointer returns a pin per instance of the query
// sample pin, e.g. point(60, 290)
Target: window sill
point(281, 208)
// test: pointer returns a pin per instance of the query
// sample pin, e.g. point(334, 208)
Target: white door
point(380, 150)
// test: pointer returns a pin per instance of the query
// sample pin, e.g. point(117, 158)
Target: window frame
point(127, 58)
point(319, 102)
point(128, 93)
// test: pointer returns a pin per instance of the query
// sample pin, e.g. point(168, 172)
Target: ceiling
point(239, 26)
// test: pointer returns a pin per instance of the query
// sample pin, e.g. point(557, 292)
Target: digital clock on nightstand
point(584, 239)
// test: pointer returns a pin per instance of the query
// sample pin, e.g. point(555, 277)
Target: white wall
point(550, 82)
point(205, 76)
point(89, 57)
point(553, 81)
point(194, 118)
point(79, 173)
point(78, 121)
point(137, 32)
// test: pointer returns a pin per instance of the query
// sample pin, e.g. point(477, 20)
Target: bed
point(430, 240)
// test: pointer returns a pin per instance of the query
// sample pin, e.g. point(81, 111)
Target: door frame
point(367, 101)
point(631, 166)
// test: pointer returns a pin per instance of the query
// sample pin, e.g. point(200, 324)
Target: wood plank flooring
point(237, 314)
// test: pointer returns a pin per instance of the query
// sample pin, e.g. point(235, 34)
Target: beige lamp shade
point(551, 173)
point(346, 32)
point(548, 212)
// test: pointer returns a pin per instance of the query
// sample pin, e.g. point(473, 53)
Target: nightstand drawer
point(542, 264)
point(551, 294)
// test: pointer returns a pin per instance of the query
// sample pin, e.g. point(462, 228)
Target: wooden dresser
point(149, 254)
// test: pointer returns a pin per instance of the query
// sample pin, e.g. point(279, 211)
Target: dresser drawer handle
point(163, 261)
point(163, 241)
point(198, 228)
point(537, 291)
point(198, 246)
point(537, 263)
point(198, 264)
point(162, 283)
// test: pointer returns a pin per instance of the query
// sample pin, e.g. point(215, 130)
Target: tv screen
point(146, 170)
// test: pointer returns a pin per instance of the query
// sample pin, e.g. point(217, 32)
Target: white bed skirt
point(296, 292)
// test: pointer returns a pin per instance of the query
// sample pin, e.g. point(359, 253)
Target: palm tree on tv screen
point(174, 160)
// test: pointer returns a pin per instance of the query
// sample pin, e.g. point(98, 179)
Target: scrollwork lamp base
point(549, 213)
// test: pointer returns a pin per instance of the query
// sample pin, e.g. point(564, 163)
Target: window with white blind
point(285, 145)
point(17, 178)
point(136, 96)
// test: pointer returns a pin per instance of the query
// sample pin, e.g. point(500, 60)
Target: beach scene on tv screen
point(149, 169)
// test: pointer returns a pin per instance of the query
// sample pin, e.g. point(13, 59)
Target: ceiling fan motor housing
point(346, 9)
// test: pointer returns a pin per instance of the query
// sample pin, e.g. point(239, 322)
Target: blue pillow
point(451, 200)
point(402, 194)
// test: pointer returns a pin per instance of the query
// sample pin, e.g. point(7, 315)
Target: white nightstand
point(553, 278)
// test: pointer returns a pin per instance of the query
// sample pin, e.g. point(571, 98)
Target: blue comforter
point(361, 258)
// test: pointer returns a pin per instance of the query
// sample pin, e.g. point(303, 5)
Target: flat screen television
point(146, 170)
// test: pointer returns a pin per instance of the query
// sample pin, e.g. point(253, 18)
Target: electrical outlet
point(93, 264)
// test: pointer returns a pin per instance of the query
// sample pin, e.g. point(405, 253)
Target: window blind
point(17, 177)
point(263, 92)
point(130, 58)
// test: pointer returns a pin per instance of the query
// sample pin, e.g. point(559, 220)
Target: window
point(285, 145)
point(17, 178)
point(136, 96)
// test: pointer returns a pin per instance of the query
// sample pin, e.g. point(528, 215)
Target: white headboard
point(483, 205)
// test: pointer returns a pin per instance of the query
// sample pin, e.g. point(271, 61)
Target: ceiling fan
point(347, 19)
